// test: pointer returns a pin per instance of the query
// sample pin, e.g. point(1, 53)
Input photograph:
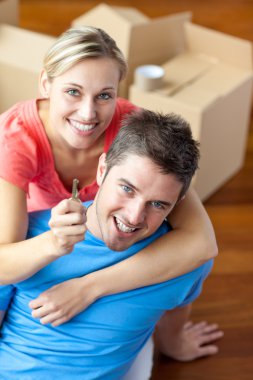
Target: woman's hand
point(67, 225)
point(62, 302)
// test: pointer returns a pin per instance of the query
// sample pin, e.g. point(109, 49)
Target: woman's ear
point(101, 170)
point(44, 84)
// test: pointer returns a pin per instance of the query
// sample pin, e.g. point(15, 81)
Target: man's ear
point(181, 199)
point(101, 169)
point(44, 84)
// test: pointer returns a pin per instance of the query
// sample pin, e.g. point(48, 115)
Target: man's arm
point(177, 337)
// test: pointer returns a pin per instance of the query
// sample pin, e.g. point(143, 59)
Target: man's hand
point(62, 302)
point(67, 225)
point(195, 341)
point(180, 339)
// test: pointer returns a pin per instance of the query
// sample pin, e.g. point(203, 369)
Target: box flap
point(164, 39)
point(198, 81)
point(133, 15)
point(223, 78)
point(122, 14)
point(197, 97)
point(226, 48)
point(183, 70)
point(116, 21)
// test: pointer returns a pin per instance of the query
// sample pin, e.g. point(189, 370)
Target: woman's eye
point(104, 96)
point(73, 92)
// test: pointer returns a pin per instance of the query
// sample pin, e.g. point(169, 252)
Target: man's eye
point(73, 92)
point(157, 205)
point(126, 188)
point(104, 96)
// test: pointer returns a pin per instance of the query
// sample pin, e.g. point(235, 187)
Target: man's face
point(132, 202)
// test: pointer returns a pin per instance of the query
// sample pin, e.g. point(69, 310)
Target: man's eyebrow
point(165, 203)
point(169, 204)
point(126, 181)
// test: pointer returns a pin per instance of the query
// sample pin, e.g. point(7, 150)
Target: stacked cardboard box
point(9, 11)
point(21, 57)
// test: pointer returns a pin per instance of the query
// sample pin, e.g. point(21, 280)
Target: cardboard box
point(137, 35)
point(9, 12)
point(208, 80)
point(21, 59)
point(210, 84)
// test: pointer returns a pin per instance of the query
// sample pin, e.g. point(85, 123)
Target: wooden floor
point(228, 294)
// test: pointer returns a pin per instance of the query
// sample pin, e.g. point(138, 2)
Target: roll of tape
point(148, 77)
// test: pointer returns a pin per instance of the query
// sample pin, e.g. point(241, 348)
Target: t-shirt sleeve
point(18, 150)
point(6, 294)
point(202, 273)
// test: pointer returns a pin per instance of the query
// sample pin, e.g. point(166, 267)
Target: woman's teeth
point(82, 127)
point(122, 227)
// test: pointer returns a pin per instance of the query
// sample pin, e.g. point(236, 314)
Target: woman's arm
point(190, 243)
point(20, 258)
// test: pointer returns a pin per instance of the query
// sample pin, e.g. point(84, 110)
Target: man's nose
point(135, 212)
point(87, 109)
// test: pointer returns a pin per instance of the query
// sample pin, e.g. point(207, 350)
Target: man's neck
point(92, 222)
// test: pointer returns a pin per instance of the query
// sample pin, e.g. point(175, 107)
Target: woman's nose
point(87, 110)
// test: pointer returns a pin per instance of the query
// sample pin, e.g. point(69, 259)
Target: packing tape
point(149, 77)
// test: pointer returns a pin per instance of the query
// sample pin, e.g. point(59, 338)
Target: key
point(75, 195)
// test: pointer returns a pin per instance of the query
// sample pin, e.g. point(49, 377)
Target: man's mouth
point(122, 227)
point(83, 127)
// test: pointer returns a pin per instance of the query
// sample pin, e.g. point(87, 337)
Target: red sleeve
point(18, 150)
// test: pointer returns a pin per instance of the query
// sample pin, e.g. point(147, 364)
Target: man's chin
point(118, 247)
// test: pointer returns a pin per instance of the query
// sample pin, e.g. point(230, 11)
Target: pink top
point(26, 158)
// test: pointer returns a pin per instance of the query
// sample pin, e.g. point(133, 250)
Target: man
point(144, 175)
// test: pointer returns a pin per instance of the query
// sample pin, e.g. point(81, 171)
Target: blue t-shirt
point(102, 341)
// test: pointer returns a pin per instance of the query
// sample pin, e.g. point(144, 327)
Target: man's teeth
point(82, 127)
point(122, 227)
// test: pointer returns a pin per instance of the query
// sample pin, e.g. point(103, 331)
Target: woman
point(47, 142)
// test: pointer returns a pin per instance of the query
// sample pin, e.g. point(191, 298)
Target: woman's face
point(82, 101)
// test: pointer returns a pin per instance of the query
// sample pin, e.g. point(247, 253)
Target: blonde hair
point(77, 44)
